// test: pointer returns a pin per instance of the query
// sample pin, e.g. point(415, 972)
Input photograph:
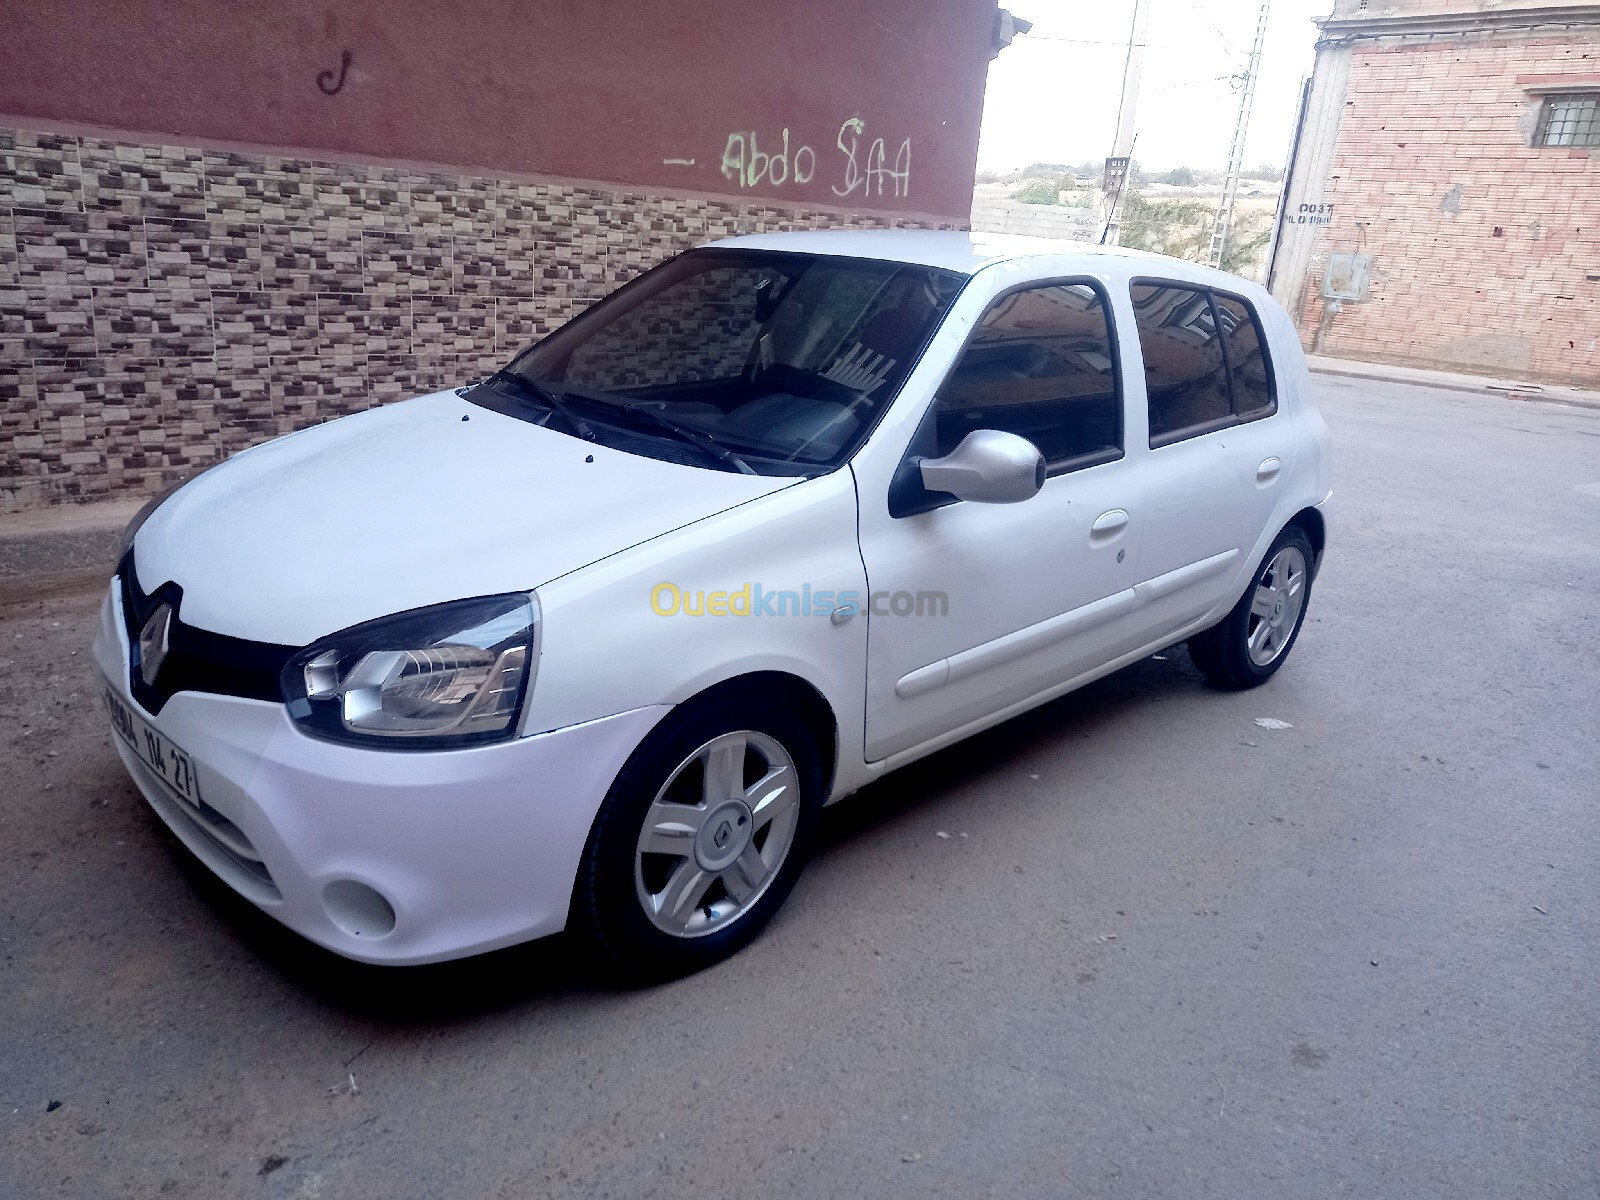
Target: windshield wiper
point(551, 400)
point(683, 433)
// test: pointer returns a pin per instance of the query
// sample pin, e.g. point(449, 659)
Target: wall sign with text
point(1310, 214)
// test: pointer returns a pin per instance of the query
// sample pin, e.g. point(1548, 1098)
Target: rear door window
point(1186, 376)
point(1205, 360)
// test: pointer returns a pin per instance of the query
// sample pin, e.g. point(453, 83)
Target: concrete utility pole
point(1230, 186)
point(1122, 144)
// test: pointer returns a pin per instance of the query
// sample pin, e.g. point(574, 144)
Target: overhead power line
point(1043, 37)
point(1202, 11)
point(1189, 83)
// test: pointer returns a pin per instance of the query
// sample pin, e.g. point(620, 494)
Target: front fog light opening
point(359, 910)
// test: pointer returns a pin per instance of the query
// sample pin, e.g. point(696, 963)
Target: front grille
point(197, 660)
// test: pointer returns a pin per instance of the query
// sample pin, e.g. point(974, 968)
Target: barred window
point(1569, 119)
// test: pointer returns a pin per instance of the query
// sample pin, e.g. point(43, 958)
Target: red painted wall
point(603, 90)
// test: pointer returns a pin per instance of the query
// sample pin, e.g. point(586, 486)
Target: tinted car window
point(1247, 360)
point(1185, 374)
point(734, 358)
point(1041, 365)
point(696, 330)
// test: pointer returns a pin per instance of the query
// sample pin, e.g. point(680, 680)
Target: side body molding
point(1175, 581)
point(1054, 629)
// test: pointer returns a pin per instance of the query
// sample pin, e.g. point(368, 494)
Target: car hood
point(415, 503)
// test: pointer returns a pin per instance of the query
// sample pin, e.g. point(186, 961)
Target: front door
point(976, 607)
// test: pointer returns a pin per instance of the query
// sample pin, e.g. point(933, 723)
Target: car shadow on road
point(555, 971)
point(1079, 714)
point(548, 969)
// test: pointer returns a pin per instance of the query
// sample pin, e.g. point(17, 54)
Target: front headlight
point(448, 675)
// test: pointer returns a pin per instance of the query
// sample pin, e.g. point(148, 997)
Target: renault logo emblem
point(153, 644)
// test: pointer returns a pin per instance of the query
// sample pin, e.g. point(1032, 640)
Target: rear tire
point(1246, 648)
point(701, 837)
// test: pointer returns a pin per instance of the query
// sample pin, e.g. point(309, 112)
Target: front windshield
point(733, 359)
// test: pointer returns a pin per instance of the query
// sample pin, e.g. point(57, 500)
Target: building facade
point(219, 222)
point(1443, 204)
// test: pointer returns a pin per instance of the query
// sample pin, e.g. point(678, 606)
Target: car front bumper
point(470, 849)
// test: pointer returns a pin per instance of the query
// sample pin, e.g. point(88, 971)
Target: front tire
point(701, 837)
point(1246, 648)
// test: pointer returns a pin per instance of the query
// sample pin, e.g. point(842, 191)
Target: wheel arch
point(1311, 521)
point(606, 907)
point(808, 702)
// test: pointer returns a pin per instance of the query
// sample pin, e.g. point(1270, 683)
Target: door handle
point(1268, 470)
point(1108, 525)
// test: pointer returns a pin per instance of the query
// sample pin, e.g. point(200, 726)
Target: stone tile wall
point(164, 306)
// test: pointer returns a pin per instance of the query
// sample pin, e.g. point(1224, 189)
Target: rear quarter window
point(1248, 364)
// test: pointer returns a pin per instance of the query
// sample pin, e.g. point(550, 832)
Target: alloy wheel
point(1275, 608)
point(717, 833)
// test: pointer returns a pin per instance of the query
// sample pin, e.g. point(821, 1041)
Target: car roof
point(951, 250)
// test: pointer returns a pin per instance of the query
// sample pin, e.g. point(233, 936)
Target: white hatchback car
point(592, 642)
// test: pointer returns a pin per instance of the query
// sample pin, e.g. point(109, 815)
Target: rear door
point(1219, 449)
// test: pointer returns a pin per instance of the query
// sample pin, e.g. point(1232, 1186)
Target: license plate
point(155, 750)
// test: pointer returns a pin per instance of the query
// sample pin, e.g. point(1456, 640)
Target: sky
point(1053, 93)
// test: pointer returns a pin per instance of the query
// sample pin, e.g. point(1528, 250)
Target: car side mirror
point(989, 466)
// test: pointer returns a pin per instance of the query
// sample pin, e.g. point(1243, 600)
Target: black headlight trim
point(198, 660)
point(320, 718)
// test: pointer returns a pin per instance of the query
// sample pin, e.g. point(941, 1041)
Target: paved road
point(1165, 952)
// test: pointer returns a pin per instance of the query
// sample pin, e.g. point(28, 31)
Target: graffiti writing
point(870, 173)
point(743, 160)
point(865, 172)
point(329, 83)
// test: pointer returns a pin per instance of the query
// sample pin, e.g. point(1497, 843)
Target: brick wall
point(164, 306)
point(1483, 246)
